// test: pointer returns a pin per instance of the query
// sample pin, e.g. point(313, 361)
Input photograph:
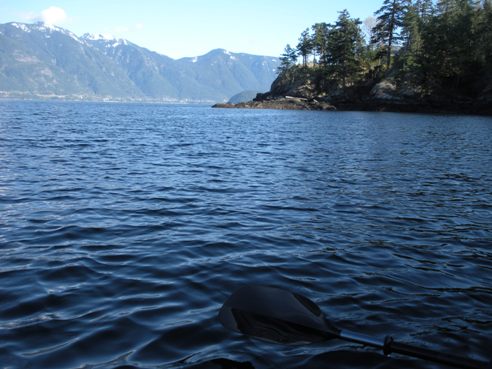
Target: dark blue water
point(123, 228)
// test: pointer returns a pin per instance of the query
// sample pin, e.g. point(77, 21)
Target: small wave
point(119, 250)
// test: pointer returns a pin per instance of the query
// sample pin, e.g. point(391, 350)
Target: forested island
point(414, 55)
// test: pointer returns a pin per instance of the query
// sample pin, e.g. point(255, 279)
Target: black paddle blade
point(276, 315)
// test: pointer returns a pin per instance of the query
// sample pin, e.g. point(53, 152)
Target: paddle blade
point(276, 315)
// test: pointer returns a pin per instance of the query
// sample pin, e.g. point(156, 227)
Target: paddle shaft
point(390, 346)
point(281, 316)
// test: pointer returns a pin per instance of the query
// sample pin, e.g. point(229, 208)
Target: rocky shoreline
point(300, 93)
point(280, 103)
point(441, 106)
point(283, 103)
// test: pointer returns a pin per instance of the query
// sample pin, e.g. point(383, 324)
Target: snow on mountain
point(39, 59)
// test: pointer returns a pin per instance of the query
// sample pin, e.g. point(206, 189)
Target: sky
point(185, 28)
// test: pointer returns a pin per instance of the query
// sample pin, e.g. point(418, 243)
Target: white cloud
point(139, 26)
point(53, 15)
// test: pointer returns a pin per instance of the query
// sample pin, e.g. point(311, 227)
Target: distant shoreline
point(103, 100)
point(291, 103)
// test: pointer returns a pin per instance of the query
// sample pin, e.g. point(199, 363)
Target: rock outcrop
point(281, 103)
point(304, 89)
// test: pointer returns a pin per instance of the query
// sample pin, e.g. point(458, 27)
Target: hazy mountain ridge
point(41, 61)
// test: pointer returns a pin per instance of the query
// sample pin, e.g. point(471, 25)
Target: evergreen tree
point(409, 55)
point(390, 18)
point(448, 7)
point(288, 59)
point(424, 9)
point(344, 49)
point(305, 46)
point(320, 40)
point(485, 38)
point(451, 46)
point(442, 49)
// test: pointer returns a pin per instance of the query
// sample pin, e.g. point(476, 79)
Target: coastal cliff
point(300, 90)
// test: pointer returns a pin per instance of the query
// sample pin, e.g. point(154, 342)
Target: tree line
point(435, 46)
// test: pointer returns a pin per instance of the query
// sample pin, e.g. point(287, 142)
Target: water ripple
point(123, 228)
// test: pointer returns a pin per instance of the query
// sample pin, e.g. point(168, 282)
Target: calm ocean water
point(124, 227)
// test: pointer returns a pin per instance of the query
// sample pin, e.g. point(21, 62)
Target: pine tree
point(320, 40)
point(288, 59)
point(344, 49)
point(442, 49)
point(450, 6)
point(424, 9)
point(305, 46)
point(409, 56)
point(485, 33)
point(452, 47)
point(390, 19)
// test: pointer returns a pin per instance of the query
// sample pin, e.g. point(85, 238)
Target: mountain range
point(37, 60)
